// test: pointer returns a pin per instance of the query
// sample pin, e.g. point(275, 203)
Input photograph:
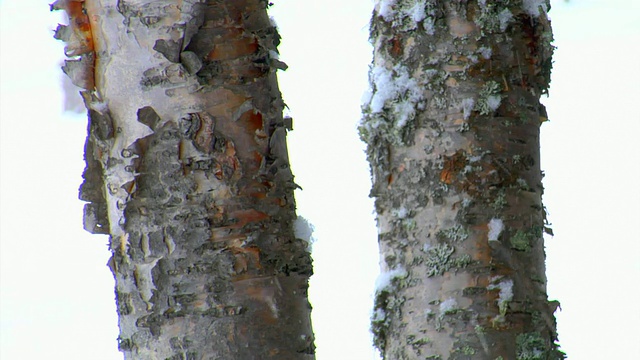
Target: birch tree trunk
point(188, 173)
point(452, 128)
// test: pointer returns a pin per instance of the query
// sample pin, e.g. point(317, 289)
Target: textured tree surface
point(188, 173)
point(452, 128)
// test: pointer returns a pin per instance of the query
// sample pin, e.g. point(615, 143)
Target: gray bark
point(188, 173)
point(452, 129)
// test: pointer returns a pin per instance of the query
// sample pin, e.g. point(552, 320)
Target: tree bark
point(188, 173)
point(452, 128)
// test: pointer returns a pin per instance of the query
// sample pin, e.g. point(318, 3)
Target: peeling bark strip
point(452, 127)
point(188, 172)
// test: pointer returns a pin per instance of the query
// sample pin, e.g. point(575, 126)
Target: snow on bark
point(407, 14)
point(384, 279)
point(303, 229)
point(535, 7)
point(495, 229)
point(452, 130)
point(397, 90)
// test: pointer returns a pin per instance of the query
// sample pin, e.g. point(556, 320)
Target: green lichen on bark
point(455, 233)
point(386, 307)
point(463, 350)
point(531, 346)
point(523, 240)
point(416, 341)
point(494, 16)
point(520, 241)
point(489, 98)
point(475, 132)
point(438, 260)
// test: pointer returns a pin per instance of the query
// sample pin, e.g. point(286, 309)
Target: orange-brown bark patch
point(233, 49)
point(246, 259)
point(244, 217)
point(396, 46)
point(223, 102)
point(80, 25)
point(251, 121)
point(452, 167)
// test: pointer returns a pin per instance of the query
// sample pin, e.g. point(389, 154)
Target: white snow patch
point(506, 292)
point(405, 111)
point(384, 279)
point(366, 97)
point(395, 88)
point(485, 52)
point(303, 229)
point(430, 26)
point(401, 213)
point(532, 7)
point(495, 228)
point(505, 17)
point(428, 312)
point(385, 88)
point(273, 22)
point(378, 315)
point(448, 305)
point(417, 13)
point(467, 107)
point(385, 9)
point(493, 102)
point(402, 13)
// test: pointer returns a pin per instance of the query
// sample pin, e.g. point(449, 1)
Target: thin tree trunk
point(452, 128)
point(188, 173)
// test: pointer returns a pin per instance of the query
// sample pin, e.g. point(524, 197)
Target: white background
point(56, 294)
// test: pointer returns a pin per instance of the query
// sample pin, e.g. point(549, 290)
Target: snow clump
point(493, 102)
point(532, 7)
point(448, 306)
point(506, 292)
point(495, 228)
point(397, 90)
point(467, 107)
point(505, 17)
point(384, 279)
point(303, 229)
point(485, 52)
point(406, 14)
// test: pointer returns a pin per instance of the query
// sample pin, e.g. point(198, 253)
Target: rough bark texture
point(188, 172)
point(452, 128)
